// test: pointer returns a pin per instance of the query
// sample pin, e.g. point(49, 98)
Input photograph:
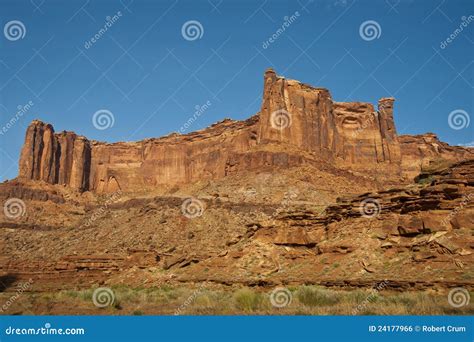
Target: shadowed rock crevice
point(6, 281)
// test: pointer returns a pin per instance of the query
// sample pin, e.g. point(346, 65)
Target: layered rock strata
point(298, 119)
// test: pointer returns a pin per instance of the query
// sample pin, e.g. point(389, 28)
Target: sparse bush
point(311, 296)
point(248, 300)
point(307, 300)
point(424, 180)
point(403, 299)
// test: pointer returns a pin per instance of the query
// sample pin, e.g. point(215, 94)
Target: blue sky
point(144, 71)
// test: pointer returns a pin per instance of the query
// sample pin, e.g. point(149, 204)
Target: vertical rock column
point(80, 166)
point(274, 110)
point(391, 145)
point(37, 159)
point(62, 158)
point(297, 114)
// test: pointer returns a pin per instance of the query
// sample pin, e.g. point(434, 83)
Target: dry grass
point(306, 300)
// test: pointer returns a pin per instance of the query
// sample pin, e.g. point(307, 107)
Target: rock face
point(422, 151)
point(295, 121)
point(412, 237)
point(62, 158)
point(347, 133)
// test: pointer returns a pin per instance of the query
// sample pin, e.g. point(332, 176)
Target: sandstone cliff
point(296, 122)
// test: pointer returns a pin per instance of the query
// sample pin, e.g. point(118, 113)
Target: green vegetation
point(248, 300)
point(313, 296)
point(425, 180)
point(222, 300)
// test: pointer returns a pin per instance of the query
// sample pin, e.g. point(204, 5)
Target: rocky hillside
point(308, 191)
point(418, 235)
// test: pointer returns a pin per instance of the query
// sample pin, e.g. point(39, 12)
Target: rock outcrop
point(295, 121)
point(414, 236)
point(420, 152)
point(62, 158)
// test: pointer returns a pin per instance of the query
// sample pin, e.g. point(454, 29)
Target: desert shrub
point(403, 299)
point(425, 180)
point(311, 296)
point(248, 300)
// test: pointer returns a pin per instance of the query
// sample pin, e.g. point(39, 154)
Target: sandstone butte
point(307, 191)
point(296, 123)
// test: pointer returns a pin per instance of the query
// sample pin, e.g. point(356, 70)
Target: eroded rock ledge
point(294, 119)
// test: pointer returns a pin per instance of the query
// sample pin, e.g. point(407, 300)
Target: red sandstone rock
point(294, 117)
